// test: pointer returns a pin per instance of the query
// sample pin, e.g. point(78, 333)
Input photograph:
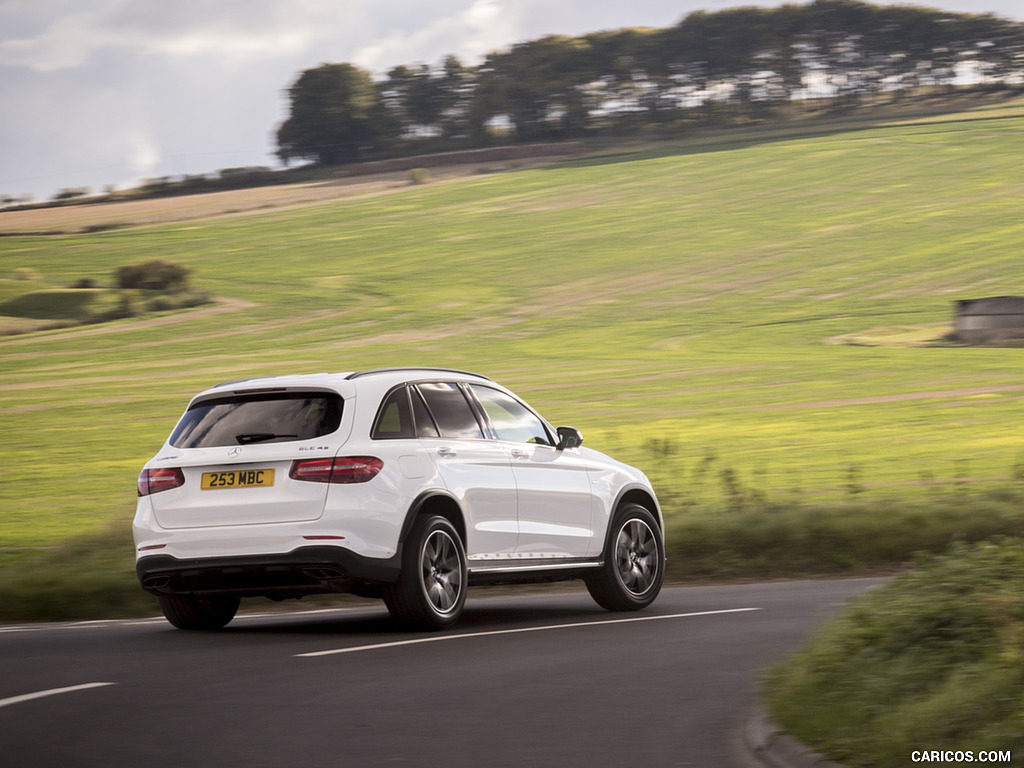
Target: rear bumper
point(303, 571)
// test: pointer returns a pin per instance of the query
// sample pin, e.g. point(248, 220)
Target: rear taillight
point(156, 480)
point(343, 469)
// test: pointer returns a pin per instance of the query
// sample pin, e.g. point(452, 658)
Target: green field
point(688, 305)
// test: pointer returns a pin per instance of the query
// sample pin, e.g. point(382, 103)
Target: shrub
point(934, 658)
point(154, 275)
point(129, 304)
point(71, 193)
point(165, 303)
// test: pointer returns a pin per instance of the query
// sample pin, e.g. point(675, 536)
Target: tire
point(190, 612)
point(634, 562)
point(431, 590)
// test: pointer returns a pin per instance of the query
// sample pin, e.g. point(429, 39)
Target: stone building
point(998, 319)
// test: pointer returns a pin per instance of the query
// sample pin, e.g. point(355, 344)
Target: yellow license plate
point(237, 478)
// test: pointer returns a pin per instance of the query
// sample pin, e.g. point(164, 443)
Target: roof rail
point(372, 371)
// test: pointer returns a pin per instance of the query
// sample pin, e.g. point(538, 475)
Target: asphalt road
point(535, 679)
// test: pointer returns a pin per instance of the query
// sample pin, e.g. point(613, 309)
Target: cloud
point(230, 29)
point(58, 34)
point(61, 46)
point(469, 32)
point(143, 154)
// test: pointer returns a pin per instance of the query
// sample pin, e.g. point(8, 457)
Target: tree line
point(748, 60)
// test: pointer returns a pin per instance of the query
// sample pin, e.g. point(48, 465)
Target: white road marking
point(51, 692)
point(442, 638)
point(6, 629)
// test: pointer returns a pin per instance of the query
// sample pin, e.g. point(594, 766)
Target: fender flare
point(633, 491)
point(421, 501)
point(636, 490)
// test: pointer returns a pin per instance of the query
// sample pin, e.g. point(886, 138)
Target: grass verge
point(92, 576)
point(87, 577)
point(841, 538)
point(932, 661)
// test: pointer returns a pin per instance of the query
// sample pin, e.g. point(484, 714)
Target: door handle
point(519, 453)
point(446, 451)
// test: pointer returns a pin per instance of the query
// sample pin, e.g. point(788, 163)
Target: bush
point(70, 193)
point(166, 303)
point(935, 658)
point(129, 304)
point(154, 275)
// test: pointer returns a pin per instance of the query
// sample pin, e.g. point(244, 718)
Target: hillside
point(675, 301)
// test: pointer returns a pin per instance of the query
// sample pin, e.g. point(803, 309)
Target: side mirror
point(569, 437)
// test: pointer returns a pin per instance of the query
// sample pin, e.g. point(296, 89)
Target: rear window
point(276, 417)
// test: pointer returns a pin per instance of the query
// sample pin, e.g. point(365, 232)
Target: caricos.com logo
point(959, 756)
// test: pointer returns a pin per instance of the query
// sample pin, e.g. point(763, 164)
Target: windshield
point(258, 418)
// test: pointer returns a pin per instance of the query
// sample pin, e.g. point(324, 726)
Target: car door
point(554, 495)
point(476, 470)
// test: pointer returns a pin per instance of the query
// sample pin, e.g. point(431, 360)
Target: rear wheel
point(191, 612)
point(431, 590)
point(634, 562)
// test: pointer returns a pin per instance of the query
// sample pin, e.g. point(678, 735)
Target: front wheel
point(634, 562)
point(431, 590)
point(191, 612)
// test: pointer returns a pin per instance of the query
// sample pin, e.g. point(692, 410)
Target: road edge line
point(519, 630)
point(51, 692)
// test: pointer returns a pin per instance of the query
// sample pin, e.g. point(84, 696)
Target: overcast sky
point(98, 92)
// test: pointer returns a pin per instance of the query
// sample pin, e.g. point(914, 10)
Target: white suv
point(408, 484)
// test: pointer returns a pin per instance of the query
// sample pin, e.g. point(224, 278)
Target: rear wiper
point(258, 437)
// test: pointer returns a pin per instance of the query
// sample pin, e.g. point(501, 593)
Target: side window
point(425, 426)
point(511, 420)
point(451, 410)
point(394, 420)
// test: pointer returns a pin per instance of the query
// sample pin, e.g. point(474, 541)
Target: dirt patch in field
point(360, 180)
point(945, 394)
point(219, 307)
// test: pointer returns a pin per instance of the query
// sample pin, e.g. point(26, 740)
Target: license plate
point(237, 478)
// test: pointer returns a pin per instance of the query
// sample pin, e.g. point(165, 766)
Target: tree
point(154, 275)
point(456, 86)
point(561, 87)
point(412, 99)
point(426, 102)
point(336, 113)
point(71, 193)
point(539, 85)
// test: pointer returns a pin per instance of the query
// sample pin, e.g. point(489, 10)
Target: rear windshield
point(276, 417)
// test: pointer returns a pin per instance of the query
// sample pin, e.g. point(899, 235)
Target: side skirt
point(529, 571)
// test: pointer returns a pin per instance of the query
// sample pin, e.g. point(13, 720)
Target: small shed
point(997, 319)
